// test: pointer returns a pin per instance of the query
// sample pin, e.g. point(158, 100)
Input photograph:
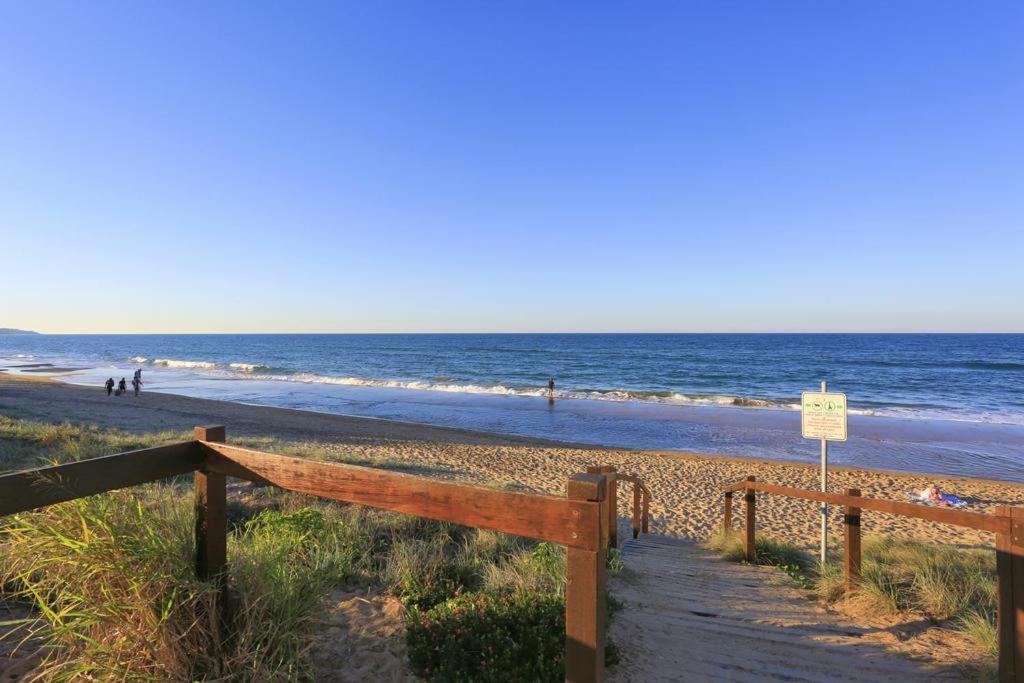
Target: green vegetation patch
point(486, 637)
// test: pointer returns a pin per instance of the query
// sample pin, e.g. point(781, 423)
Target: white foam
point(138, 359)
point(248, 367)
point(171, 363)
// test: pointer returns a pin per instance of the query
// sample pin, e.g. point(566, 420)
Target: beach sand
point(686, 488)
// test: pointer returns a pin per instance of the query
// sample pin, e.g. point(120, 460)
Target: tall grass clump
point(941, 582)
point(770, 551)
point(111, 578)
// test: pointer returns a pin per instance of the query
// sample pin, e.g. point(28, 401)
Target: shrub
point(490, 638)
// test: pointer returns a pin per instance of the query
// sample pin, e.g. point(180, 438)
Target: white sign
point(823, 415)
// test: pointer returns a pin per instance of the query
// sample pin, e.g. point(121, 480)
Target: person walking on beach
point(138, 375)
point(122, 387)
point(136, 383)
point(109, 385)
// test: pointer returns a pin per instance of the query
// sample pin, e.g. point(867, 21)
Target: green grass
point(111, 576)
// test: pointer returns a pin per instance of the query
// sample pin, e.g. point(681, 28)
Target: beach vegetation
point(945, 584)
point(948, 586)
point(111, 580)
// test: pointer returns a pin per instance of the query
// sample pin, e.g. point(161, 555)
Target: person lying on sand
point(933, 495)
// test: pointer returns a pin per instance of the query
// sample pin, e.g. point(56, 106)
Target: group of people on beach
point(122, 386)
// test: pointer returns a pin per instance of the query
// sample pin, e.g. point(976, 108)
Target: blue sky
point(467, 166)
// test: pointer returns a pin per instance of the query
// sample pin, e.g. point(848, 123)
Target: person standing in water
point(109, 385)
point(551, 389)
point(136, 383)
point(138, 375)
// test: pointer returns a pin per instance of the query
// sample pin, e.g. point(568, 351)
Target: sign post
point(823, 416)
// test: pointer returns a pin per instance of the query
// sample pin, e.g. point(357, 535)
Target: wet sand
point(686, 487)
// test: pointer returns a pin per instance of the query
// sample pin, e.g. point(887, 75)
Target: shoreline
point(496, 437)
point(686, 486)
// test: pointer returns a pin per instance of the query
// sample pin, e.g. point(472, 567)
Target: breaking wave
point(171, 363)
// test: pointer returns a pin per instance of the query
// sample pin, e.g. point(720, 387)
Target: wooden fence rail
point(1007, 524)
point(581, 521)
point(641, 501)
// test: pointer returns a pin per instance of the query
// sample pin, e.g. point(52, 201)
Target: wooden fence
point(1007, 524)
point(582, 520)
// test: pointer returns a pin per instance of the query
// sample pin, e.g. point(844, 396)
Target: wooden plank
point(585, 608)
point(749, 541)
point(851, 551)
point(972, 520)
point(572, 523)
point(31, 489)
point(727, 520)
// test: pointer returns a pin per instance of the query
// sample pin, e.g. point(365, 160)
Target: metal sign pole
point(824, 489)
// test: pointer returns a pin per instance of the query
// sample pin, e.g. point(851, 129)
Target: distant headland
point(11, 330)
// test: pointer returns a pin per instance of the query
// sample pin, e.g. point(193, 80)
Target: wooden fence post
point(646, 517)
point(749, 542)
point(212, 529)
point(727, 521)
point(609, 472)
point(636, 509)
point(1010, 602)
point(585, 609)
point(851, 526)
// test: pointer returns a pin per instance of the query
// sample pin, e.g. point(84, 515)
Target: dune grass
point(942, 583)
point(950, 586)
point(111, 576)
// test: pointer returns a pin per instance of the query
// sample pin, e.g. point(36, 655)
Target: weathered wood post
point(212, 528)
point(585, 609)
point(1010, 605)
point(851, 554)
point(727, 520)
point(613, 510)
point(749, 542)
point(636, 509)
point(646, 517)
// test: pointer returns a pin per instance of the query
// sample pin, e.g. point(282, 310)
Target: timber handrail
point(996, 524)
point(641, 501)
point(578, 520)
point(1007, 524)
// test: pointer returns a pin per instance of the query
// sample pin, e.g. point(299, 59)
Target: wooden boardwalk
point(690, 616)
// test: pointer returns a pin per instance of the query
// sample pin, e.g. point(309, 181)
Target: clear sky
point(480, 166)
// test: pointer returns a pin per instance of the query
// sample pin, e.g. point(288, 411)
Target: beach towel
point(947, 500)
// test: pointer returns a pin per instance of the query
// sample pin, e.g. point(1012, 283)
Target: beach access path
point(689, 615)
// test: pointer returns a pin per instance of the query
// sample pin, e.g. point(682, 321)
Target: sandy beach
point(685, 487)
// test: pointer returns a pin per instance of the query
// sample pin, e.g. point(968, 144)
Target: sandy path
point(690, 616)
point(686, 487)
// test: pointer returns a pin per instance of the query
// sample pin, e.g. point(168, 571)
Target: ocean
point(950, 404)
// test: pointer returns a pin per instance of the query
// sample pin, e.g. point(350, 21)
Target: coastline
point(686, 486)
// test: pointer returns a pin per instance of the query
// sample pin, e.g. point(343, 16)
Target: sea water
point(949, 404)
